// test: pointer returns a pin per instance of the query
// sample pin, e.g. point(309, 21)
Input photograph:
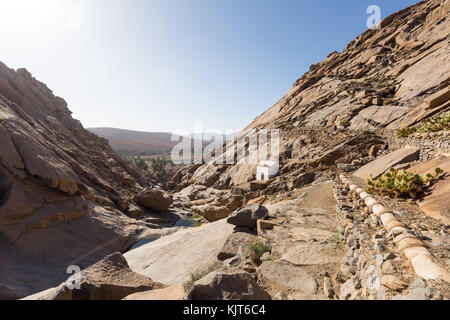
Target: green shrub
point(437, 123)
point(434, 124)
point(257, 249)
point(406, 132)
point(402, 183)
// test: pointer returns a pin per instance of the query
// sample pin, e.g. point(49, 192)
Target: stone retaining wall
point(384, 259)
point(430, 144)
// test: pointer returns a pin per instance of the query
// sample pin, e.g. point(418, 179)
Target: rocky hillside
point(65, 196)
point(378, 78)
point(385, 79)
point(312, 232)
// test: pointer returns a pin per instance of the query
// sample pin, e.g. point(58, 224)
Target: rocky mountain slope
point(67, 199)
point(385, 79)
point(65, 196)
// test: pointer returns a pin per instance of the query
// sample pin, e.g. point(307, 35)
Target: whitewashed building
point(266, 170)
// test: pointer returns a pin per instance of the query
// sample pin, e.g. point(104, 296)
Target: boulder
point(382, 164)
point(169, 293)
point(247, 216)
point(213, 204)
point(227, 285)
point(431, 105)
point(237, 243)
point(135, 210)
point(173, 258)
point(156, 200)
point(347, 290)
point(109, 279)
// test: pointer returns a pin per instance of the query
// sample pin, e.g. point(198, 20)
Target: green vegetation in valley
point(160, 168)
point(140, 164)
point(402, 183)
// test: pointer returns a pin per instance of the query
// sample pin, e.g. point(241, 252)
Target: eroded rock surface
point(65, 195)
point(172, 259)
point(222, 285)
point(109, 279)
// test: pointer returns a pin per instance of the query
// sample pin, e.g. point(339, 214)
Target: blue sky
point(160, 65)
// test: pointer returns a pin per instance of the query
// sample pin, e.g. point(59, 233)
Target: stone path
point(305, 247)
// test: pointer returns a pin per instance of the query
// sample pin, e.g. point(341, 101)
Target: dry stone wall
point(384, 258)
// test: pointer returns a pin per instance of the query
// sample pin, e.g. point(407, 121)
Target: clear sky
point(160, 65)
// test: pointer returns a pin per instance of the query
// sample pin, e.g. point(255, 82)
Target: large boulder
point(109, 279)
point(172, 259)
point(227, 285)
point(213, 204)
point(156, 200)
point(248, 216)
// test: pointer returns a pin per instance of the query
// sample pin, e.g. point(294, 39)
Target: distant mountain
point(136, 142)
point(140, 142)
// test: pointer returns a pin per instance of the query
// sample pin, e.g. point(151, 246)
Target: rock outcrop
point(64, 193)
point(247, 216)
point(109, 279)
point(383, 80)
point(213, 204)
point(437, 203)
point(384, 163)
point(155, 200)
point(173, 259)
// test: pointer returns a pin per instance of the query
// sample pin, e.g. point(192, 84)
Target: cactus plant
point(402, 183)
point(434, 124)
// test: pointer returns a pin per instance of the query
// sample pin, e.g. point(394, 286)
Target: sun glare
point(16, 15)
